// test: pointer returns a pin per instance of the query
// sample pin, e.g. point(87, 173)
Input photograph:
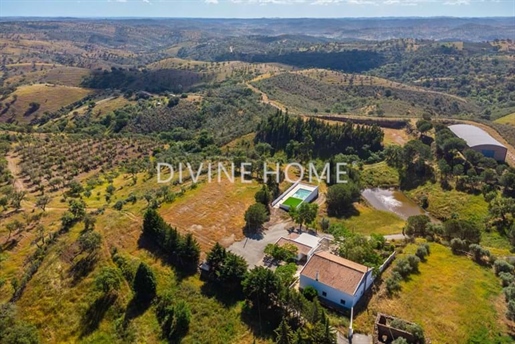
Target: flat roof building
point(306, 245)
point(295, 195)
point(479, 140)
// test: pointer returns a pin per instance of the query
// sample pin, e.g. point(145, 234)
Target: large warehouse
point(480, 141)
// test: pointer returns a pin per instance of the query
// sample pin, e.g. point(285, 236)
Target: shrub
point(478, 252)
point(417, 332)
point(458, 245)
point(118, 205)
point(182, 318)
point(509, 292)
point(502, 266)
point(108, 279)
point(90, 241)
point(400, 340)
point(110, 189)
point(413, 262)
point(324, 224)
point(426, 246)
point(506, 278)
point(511, 310)
point(131, 199)
point(414, 329)
point(393, 283)
point(310, 293)
point(421, 253)
point(174, 318)
point(403, 268)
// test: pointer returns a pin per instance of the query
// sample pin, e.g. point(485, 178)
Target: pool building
point(296, 194)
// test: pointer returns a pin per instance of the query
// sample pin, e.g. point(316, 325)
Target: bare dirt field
point(214, 212)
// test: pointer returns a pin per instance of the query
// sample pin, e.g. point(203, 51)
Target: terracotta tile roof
point(336, 272)
point(301, 248)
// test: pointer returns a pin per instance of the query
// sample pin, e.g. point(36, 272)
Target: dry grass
point(395, 136)
point(508, 119)
point(50, 97)
point(56, 304)
point(104, 106)
point(222, 70)
point(452, 298)
point(338, 78)
point(212, 212)
point(44, 73)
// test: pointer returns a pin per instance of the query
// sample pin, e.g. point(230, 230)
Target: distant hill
point(360, 95)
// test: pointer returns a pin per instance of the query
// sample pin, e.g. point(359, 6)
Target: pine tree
point(284, 333)
point(216, 256)
point(189, 251)
point(152, 222)
point(144, 283)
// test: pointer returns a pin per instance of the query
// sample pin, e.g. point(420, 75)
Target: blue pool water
point(301, 194)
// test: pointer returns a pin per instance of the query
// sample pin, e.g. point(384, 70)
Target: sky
point(257, 8)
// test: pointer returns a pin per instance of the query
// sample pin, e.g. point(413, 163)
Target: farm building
point(338, 281)
point(296, 194)
point(480, 141)
point(306, 245)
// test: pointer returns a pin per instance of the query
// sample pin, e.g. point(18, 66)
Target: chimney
point(316, 276)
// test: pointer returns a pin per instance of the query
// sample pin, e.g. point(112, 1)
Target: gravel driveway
point(251, 248)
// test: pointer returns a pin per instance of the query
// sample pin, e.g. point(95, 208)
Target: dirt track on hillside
point(12, 165)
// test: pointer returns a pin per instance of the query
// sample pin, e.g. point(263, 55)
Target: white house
point(338, 280)
point(305, 243)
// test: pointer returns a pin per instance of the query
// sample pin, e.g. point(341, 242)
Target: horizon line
point(253, 18)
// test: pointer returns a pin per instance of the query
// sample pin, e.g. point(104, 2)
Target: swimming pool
point(301, 194)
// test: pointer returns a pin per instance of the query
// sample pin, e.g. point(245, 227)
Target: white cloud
point(211, 1)
point(147, 1)
point(391, 2)
point(457, 2)
point(264, 2)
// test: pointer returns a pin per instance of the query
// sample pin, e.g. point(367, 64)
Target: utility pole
point(351, 331)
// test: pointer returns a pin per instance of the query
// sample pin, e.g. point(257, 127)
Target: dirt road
point(12, 165)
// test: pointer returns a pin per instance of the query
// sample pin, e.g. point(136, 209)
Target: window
point(342, 301)
point(488, 153)
point(324, 294)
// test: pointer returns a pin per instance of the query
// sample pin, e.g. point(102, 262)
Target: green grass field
point(454, 299)
point(370, 220)
point(292, 202)
point(379, 175)
point(443, 204)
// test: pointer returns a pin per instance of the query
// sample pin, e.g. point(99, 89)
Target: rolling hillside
point(30, 101)
point(357, 95)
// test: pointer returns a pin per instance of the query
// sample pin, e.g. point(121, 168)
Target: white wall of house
point(335, 295)
point(366, 283)
point(331, 294)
